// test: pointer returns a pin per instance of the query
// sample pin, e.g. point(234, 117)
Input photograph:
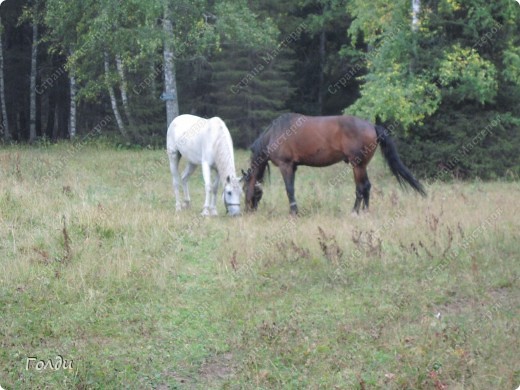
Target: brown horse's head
point(253, 191)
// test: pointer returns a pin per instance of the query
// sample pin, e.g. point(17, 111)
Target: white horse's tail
point(171, 150)
point(170, 146)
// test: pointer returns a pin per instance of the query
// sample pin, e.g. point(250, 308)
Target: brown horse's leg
point(288, 173)
point(366, 193)
point(362, 188)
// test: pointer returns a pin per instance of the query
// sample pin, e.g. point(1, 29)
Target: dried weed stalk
point(329, 246)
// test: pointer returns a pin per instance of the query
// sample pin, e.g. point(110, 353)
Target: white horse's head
point(231, 196)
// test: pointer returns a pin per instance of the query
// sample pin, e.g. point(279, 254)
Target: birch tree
point(124, 89)
point(61, 18)
point(170, 83)
point(416, 10)
point(112, 95)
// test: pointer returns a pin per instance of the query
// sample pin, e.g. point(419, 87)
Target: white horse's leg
point(174, 168)
point(206, 173)
point(190, 168)
point(213, 198)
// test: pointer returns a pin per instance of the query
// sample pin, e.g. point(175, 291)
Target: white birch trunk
point(113, 100)
point(5, 123)
point(124, 89)
point(170, 85)
point(73, 107)
point(416, 10)
point(32, 108)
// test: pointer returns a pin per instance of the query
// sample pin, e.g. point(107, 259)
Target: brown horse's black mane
point(260, 148)
point(259, 156)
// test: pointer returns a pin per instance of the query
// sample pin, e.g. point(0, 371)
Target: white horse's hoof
point(178, 208)
point(213, 212)
point(205, 212)
point(186, 204)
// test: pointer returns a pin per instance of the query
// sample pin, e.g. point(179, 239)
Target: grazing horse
point(294, 139)
point(204, 142)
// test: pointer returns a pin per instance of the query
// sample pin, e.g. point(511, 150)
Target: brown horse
point(294, 139)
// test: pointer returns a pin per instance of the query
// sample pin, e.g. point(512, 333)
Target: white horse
point(204, 142)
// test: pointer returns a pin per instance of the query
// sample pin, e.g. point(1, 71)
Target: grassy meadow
point(97, 270)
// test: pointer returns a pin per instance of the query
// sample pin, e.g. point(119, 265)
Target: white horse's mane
point(224, 158)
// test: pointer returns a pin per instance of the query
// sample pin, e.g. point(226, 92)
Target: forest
point(442, 75)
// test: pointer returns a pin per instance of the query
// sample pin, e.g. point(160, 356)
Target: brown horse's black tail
point(402, 174)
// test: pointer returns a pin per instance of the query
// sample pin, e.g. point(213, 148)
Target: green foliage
point(394, 88)
point(396, 94)
point(466, 76)
point(486, 148)
point(459, 70)
point(371, 19)
point(237, 23)
point(511, 65)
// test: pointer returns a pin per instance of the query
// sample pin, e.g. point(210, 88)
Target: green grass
point(98, 268)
